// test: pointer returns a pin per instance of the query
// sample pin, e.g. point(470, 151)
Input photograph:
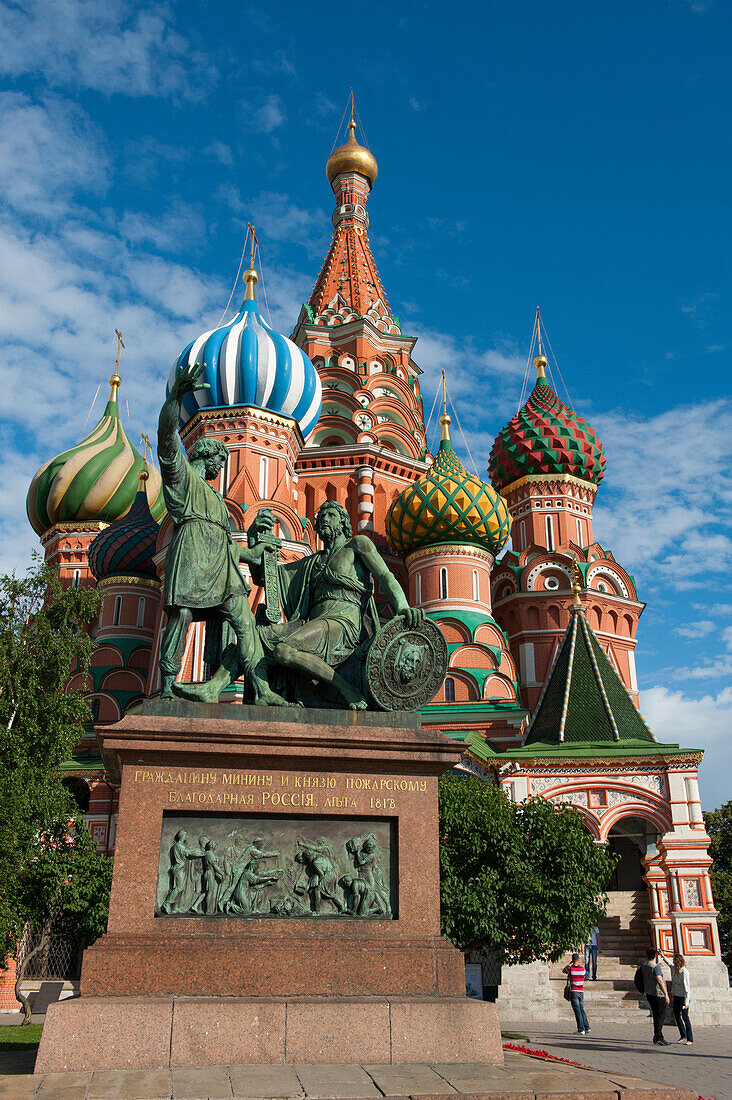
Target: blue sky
point(570, 155)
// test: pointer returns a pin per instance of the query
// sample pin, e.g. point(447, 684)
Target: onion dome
point(126, 547)
point(94, 481)
point(545, 437)
point(248, 363)
point(448, 505)
point(352, 157)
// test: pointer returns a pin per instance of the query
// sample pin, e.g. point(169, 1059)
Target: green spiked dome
point(96, 480)
point(448, 505)
point(545, 437)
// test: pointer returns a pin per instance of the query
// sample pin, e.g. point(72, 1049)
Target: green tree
point(719, 827)
point(525, 879)
point(52, 877)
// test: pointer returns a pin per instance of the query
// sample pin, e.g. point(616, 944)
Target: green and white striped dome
point(96, 480)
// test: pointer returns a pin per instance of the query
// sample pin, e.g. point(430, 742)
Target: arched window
point(141, 605)
point(76, 577)
point(476, 586)
point(95, 705)
point(263, 477)
point(449, 690)
point(549, 532)
point(117, 614)
point(580, 536)
point(226, 475)
point(443, 584)
point(418, 589)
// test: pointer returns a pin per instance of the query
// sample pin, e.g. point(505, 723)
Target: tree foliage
point(524, 879)
point(51, 874)
point(719, 827)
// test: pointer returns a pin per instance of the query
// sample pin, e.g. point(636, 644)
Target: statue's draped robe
point(202, 562)
point(315, 588)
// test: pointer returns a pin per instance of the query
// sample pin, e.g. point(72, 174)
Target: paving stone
point(403, 1080)
point(265, 1081)
point(348, 1082)
point(202, 1083)
point(135, 1084)
point(19, 1086)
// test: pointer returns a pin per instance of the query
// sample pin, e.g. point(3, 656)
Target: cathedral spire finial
point(445, 420)
point(115, 381)
point(251, 277)
point(144, 475)
point(576, 586)
point(541, 361)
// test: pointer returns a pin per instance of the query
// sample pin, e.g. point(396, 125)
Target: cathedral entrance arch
point(633, 839)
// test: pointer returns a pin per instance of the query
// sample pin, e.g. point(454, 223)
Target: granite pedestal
point(274, 985)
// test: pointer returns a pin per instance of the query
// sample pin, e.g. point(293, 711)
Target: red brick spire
point(349, 285)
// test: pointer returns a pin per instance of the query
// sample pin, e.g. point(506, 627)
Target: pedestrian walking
point(591, 954)
point(656, 993)
point(575, 972)
point(681, 993)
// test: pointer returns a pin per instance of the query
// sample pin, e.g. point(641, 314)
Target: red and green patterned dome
point(126, 547)
point(448, 505)
point(545, 437)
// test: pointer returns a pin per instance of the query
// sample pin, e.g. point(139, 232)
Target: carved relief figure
point(180, 855)
point(363, 851)
point(408, 661)
point(319, 877)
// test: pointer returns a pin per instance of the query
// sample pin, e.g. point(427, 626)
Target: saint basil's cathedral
point(541, 688)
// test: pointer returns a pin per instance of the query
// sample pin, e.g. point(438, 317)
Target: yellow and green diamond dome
point(448, 505)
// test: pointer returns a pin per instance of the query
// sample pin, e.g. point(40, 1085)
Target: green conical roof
point(585, 701)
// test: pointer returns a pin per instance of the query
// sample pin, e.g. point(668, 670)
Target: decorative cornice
point(61, 529)
point(459, 549)
point(549, 479)
point(142, 582)
point(237, 412)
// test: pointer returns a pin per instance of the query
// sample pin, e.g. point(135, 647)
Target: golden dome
point(352, 157)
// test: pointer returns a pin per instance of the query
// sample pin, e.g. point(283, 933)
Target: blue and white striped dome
point(248, 363)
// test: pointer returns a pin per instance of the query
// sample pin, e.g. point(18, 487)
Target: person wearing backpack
point(576, 985)
point(650, 977)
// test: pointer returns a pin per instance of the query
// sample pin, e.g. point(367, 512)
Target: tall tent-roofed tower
point(370, 440)
point(548, 463)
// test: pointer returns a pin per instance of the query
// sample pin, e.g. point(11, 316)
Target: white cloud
point(105, 45)
point(220, 152)
point(665, 503)
point(698, 629)
point(266, 117)
point(278, 219)
point(179, 229)
point(50, 152)
point(704, 723)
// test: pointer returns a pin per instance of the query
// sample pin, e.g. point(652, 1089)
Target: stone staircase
point(623, 937)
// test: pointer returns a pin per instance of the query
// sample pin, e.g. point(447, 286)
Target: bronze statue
point(202, 576)
point(327, 598)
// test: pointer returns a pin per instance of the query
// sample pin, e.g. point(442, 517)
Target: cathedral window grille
point(95, 705)
point(117, 613)
point(549, 533)
point(449, 690)
point(263, 477)
point(522, 535)
point(443, 584)
point(141, 605)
